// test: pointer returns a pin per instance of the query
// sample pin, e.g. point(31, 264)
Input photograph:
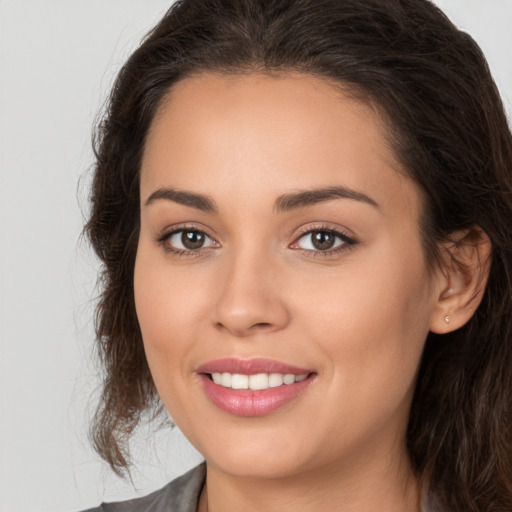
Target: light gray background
point(57, 61)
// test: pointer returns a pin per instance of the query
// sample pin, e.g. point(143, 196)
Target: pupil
point(192, 239)
point(322, 240)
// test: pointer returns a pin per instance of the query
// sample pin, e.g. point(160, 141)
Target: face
point(280, 282)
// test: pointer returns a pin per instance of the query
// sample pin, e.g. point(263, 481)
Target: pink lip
point(250, 367)
point(246, 402)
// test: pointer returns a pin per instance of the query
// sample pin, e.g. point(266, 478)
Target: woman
point(303, 210)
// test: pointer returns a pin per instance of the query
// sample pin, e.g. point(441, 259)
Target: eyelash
point(165, 237)
point(347, 242)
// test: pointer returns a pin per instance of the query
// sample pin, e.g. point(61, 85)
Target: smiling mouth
point(255, 382)
point(253, 387)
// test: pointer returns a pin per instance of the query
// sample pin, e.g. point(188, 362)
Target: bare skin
point(225, 163)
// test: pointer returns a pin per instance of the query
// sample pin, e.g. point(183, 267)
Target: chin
point(262, 467)
point(260, 456)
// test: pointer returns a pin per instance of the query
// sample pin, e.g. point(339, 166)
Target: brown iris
point(322, 240)
point(192, 239)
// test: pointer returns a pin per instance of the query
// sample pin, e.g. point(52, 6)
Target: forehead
point(279, 132)
point(210, 108)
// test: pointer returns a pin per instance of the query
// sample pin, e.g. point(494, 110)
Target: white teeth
point(226, 380)
point(289, 378)
point(256, 382)
point(275, 380)
point(239, 381)
point(259, 381)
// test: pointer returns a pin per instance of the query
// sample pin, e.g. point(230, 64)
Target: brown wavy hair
point(449, 130)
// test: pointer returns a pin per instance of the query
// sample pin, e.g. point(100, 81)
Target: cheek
point(371, 322)
point(163, 309)
point(168, 300)
point(168, 320)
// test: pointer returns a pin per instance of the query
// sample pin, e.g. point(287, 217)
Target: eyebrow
point(283, 203)
point(304, 198)
point(197, 201)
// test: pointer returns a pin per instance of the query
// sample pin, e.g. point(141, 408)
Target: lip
point(250, 366)
point(246, 402)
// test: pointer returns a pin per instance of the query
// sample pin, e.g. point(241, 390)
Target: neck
point(380, 484)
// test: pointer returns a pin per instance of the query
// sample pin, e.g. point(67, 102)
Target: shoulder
point(180, 495)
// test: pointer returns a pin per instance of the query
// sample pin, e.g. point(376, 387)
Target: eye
point(323, 240)
point(187, 240)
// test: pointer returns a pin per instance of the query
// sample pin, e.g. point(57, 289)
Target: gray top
point(181, 495)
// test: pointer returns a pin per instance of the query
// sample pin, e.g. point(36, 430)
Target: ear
point(461, 280)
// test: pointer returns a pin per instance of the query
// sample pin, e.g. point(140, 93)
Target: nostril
point(261, 325)
point(246, 329)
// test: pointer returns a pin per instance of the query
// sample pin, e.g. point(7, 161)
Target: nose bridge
point(249, 298)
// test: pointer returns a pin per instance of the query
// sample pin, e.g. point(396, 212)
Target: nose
point(251, 298)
